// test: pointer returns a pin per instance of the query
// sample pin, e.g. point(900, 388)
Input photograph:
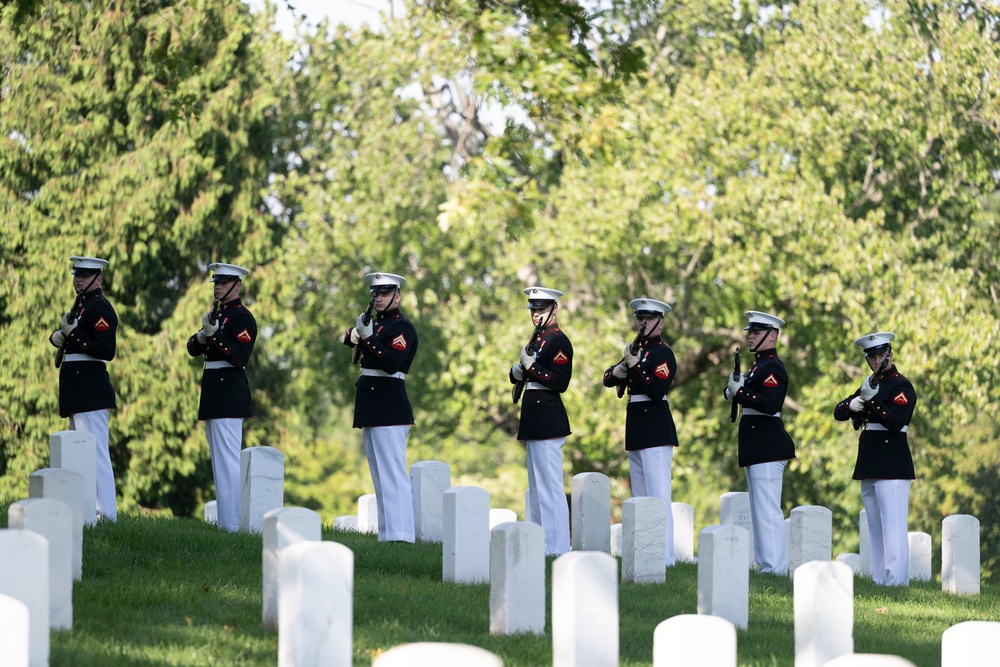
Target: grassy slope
point(160, 591)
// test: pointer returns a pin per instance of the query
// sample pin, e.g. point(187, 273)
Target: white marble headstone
point(824, 612)
point(262, 485)
point(920, 556)
point(644, 540)
point(65, 486)
point(734, 510)
point(14, 634)
point(960, 555)
point(347, 522)
point(585, 608)
point(852, 561)
point(24, 576)
point(693, 640)
point(316, 605)
point(368, 513)
point(212, 511)
point(683, 532)
point(501, 515)
point(616, 539)
point(591, 512)
point(465, 549)
point(811, 536)
point(283, 527)
point(517, 579)
point(970, 644)
point(428, 481)
point(77, 451)
point(433, 654)
point(724, 573)
point(53, 520)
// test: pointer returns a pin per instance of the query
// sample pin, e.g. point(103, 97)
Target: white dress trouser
point(385, 447)
point(770, 544)
point(96, 422)
point(547, 492)
point(225, 440)
point(649, 471)
point(886, 504)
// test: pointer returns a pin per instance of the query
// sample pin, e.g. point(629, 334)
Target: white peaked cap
point(759, 320)
point(875, 340)
point(221, 269)
point(92, 263)
point(542, 293)
point(377, 279)
point(651, 305)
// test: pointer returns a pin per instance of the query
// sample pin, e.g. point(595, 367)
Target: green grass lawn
point(159, 591)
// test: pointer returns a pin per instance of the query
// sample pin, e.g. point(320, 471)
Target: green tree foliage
point(833, 162)
point(144, 134)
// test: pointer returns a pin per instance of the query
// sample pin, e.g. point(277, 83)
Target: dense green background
point(839, 171)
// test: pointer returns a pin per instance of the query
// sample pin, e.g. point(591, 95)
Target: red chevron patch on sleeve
point(101, 324)
point(900, 398)
point(399, 342)
point(560, 358)
point(244, 336)
point(663, 371)
point(771, 381)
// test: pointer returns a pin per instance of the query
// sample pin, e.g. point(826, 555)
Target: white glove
point(58, 338)
point(68, 326)
point(729, 397)
point(364, 330)
point(620, 371)
point(630, 359)
point(207, 327)
point(867, 391)
point(517, 370)
point(734, 384)
point(857, 404)
point(202, 338)
point(355, 336)
point(527, 359)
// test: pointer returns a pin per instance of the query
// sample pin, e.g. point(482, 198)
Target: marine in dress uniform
point(764, 446)
point(884, 465)
point(650, 434)
point(546, 371)
point(86, 340)
point(226, 339)
point(382, 410)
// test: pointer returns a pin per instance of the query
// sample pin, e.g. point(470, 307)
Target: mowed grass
point(166, 591)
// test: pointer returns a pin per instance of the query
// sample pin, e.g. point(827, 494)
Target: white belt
point(212, 365)
point(878, 427)
point(757, 413)
point(76, 356)
point(374, 372)
point(536, 386)
point(641, 398)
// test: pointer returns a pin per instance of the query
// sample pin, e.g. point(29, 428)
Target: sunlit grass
point(163, 591)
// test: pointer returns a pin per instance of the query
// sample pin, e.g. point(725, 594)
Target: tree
point(143, 134)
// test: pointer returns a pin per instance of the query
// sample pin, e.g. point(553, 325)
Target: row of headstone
point(810, 533)
point(809, 527)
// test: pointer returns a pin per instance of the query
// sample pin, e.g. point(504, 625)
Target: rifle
point(532, 347)
point(213, 315)
point(858, 418)
point(737, 373)
point(634, 349)
point(366, 318)
point(74, 313)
